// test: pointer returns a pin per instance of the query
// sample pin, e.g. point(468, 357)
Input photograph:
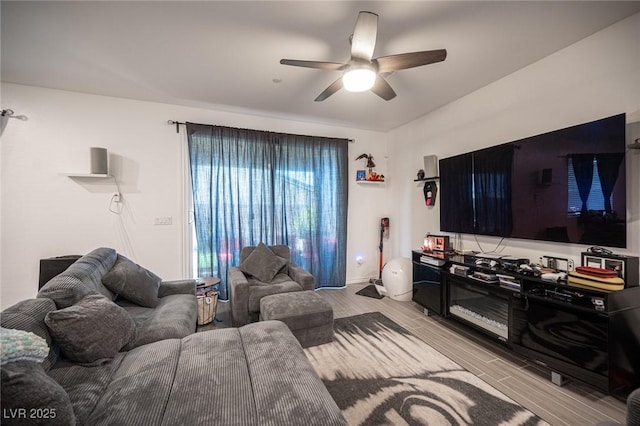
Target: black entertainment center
point(564, 186)
point(586, 334)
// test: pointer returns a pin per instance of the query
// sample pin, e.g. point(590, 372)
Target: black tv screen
point(567, 186)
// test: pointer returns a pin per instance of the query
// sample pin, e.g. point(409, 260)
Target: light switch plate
point(164, 220)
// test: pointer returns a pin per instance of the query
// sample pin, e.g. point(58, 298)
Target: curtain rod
point(179, 123)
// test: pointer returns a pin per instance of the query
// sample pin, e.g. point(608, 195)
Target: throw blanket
point(18, 345)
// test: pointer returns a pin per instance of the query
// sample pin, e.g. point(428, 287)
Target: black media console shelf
point(585, 334)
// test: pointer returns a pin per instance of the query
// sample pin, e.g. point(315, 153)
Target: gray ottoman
point(307, 314)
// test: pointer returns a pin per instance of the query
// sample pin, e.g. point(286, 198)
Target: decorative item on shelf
point(375, 177)
point(371, 175)
point(430, 190)
point(436, 243)
point(430, 170)
point(361, 175)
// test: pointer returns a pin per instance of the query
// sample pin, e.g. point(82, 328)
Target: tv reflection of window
point(477, 192)
point(591, 178)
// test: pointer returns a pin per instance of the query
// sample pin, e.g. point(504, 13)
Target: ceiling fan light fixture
point(359, 79)
point(363, 71)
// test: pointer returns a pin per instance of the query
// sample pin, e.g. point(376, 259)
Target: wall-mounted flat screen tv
point(566, 186)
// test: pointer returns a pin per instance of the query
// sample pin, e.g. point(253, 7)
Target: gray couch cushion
point(280, 250)
point(262, 263)
point(168, 288)
point(133, 282)
point(633, 408)
point(140, 387)
point(257, 290)
point(85, 386)
point(286, 388)
point(26, 386)
point(254, 375)
point(299, 310)
point(82, 278)
point(91, 330)
point(248, 376)
point(175, 316)
point(307, 314)
point(220, 374)
point(28, 315)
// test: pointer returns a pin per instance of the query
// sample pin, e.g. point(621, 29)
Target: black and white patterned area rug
point(379, 373)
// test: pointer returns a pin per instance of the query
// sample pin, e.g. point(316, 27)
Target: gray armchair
point(263, 271)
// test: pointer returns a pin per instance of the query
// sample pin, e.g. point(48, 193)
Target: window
point(252, 186)
point(595, 200)
point(476, 192)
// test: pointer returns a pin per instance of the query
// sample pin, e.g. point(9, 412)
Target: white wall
point(44, 213)
point(592, 79)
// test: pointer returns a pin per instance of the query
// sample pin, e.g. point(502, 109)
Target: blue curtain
point(583, 171)
point(608, 167)
point(456, 189)
point(476, 192)
point(492, 170)
point(253, 186)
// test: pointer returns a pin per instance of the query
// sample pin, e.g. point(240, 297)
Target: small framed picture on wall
point(361, 175)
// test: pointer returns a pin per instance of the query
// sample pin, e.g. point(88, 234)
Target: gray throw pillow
point(31, 397)
point(133, 282)
point(262, 263)
point(91, 330)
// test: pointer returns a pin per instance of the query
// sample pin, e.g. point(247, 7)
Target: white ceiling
point(225, 55)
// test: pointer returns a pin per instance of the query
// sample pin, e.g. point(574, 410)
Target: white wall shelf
point(87, 175)
point(370, 182)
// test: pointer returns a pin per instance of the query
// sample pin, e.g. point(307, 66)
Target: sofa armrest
point(177, 287)
point(301, 276)
point(239, 294)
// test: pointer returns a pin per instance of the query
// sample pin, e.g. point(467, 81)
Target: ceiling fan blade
point(364, 36)
point(410, 60)
point(331, 66)
point(382, 89)
point(333, 88)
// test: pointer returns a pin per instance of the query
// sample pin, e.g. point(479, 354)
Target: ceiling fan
point(362, 72)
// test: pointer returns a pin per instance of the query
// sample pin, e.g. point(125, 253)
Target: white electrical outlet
point(164, 220)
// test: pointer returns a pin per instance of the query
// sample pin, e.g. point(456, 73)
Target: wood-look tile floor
point(526, 383)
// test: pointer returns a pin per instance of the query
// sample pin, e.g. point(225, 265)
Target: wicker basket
point(207, 308)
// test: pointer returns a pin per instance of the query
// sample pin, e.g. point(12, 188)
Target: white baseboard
point(360, 280)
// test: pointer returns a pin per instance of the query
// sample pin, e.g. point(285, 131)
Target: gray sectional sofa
point(112, 360)
point(160, 309)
